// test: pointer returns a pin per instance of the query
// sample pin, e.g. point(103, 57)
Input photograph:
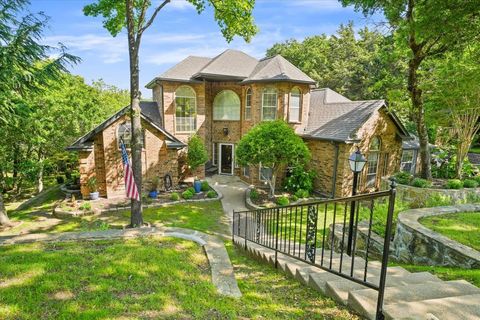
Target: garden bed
point(257, 198)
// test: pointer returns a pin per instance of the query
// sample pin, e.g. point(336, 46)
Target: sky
point(179, 31)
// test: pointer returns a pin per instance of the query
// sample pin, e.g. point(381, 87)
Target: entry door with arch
point(226, 158)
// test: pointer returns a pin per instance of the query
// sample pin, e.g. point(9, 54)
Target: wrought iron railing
point(307, 232)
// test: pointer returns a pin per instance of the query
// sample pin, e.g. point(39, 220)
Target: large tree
point(25, 64)
point(233, 16)
point(427, 29)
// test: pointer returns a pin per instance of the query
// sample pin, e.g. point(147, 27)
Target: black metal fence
point(306, 232)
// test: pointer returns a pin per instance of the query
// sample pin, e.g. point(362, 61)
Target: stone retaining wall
point(415, 243)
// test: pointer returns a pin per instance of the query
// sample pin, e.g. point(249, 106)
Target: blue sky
point(179, 32)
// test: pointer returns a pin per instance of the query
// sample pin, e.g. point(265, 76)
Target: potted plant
point(196, 156)
point(92, 186)
point(155, 184)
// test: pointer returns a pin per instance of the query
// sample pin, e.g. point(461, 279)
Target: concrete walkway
point(222, 271)
point(233, 190)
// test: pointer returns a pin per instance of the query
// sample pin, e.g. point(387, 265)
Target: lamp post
point(357, 162)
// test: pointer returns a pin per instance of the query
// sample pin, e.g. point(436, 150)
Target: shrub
point(470, 183)
point(283, 201)
point(438, 200)
point(174, 196)
point(86, 206)
point(477, 178)
point(302, 193)
point(454, 184)
point(197, 154)
point(294, 198)
point(420, 183)
point(187, 194)
point(299, 178)
point(403, 177)
point(92, 184)
point(205, 186)
point(211, 194)
point(191, 189)
point(254, 194)
point(60, 179)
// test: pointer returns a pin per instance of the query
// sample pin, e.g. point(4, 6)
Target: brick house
point(221, 98)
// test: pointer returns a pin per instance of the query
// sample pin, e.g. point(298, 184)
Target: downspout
point(335, 165)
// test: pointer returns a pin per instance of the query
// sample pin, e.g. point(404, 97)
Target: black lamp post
point(357, 162)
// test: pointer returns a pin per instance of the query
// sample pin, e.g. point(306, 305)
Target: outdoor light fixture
point(357, 162)
point(225, 131)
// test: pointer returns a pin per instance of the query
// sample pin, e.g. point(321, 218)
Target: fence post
point(386, 249)
point(233, 227)
point(276, 238)
point(246, 226)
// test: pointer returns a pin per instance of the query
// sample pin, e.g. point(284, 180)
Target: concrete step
point(464, 307)
point(339, 290)
point(365, 301)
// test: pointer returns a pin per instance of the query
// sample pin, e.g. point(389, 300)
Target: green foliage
point(191, 190)
point(293, 198)
point(60, 179)
point(205, 187)
point(211, 194)
point(197, 154)
point(174, 196)
point(187, 194)
point(477, 178)
point(301, 194)
point(155, 183)
point(92, 184)
point(403, 177)
point(283, 201)
point(438, 200)
point(86, 206)
point(470, 183)
point(299, 178)
point(254, 195)
point(380, 213)
point(454, 184)
point(421, 183)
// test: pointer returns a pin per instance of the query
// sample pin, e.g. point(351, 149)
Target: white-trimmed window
point(246, 171)
point(269, 104)
point(248, 104)
point(407, 164)
point(372, 162)
point(185, 109)
point(265, 173)
point(124, 132)
point(295, 105)
point(226, 106)
point(214, 153)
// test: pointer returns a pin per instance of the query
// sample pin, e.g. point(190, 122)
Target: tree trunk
point(4, 221)
point(272, 183)
point(136, 219)
point(40, 177)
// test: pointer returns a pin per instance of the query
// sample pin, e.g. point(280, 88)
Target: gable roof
point(149, 113)
point(234, 65)
point(336, 118)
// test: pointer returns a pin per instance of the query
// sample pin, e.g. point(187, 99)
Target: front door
point(226, 158)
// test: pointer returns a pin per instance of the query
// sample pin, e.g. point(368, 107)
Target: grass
point(462, 227)
point(474, 150)
point(446, 273)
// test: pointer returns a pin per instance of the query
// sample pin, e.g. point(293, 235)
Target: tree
point(428, 29)
point(25, 64)
point(233, 16)
point(455, 99)
point(272, 144)
point(197, 154)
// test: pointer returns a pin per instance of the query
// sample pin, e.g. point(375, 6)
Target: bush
point(420, 183)
point(60, 179)
point(86, 206)
point(187, 194)
point(403, 177)
point(283, 201)
point(470, 183)
point(294, 198)
point(454, 184)
point(438, 200)
point(211, 194)
point(254, 194)
point(477, 178)
point(302, 193)
point(205, 186)
point(299, 178)
point(191, 190)
point(174, 196)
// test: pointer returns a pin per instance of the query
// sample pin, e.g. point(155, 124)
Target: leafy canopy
point(197, 154)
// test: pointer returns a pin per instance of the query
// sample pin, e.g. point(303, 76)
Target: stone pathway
point(222, 271)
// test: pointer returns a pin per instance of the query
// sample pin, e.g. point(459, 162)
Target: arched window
point(226, 106)
point(269, 104)
point(372, 161)
point(185, 109)
point(248, 104)
point(295, 105)
point(124, 132)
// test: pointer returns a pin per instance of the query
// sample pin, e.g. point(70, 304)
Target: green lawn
point(462, 227)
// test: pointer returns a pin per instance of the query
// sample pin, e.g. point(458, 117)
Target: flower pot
point(94, 195)
point(197, 185)
point(153, 194)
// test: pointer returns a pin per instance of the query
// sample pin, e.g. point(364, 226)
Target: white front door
point(225, 158)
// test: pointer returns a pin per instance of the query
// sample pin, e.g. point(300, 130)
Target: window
point(269, 104)
point(295, 105)
point(185, 109)
point(265, 173)
point(248, 104)
point(246, 171)
point(372, 162)
point(215, 153)
point(407, 164)
point(124, 132)
point(226, 106)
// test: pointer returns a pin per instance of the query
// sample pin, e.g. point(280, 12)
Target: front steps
point(407, 295)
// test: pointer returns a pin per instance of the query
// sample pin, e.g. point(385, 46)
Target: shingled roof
point(234, 65)
point(149, 113)
point(336, 118)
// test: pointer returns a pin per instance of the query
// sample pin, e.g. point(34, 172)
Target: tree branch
point(154, 15)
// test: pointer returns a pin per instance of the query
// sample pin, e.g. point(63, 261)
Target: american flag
point(130, 185)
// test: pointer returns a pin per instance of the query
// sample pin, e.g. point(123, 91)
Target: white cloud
point(180, 5)
point(324, 5)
